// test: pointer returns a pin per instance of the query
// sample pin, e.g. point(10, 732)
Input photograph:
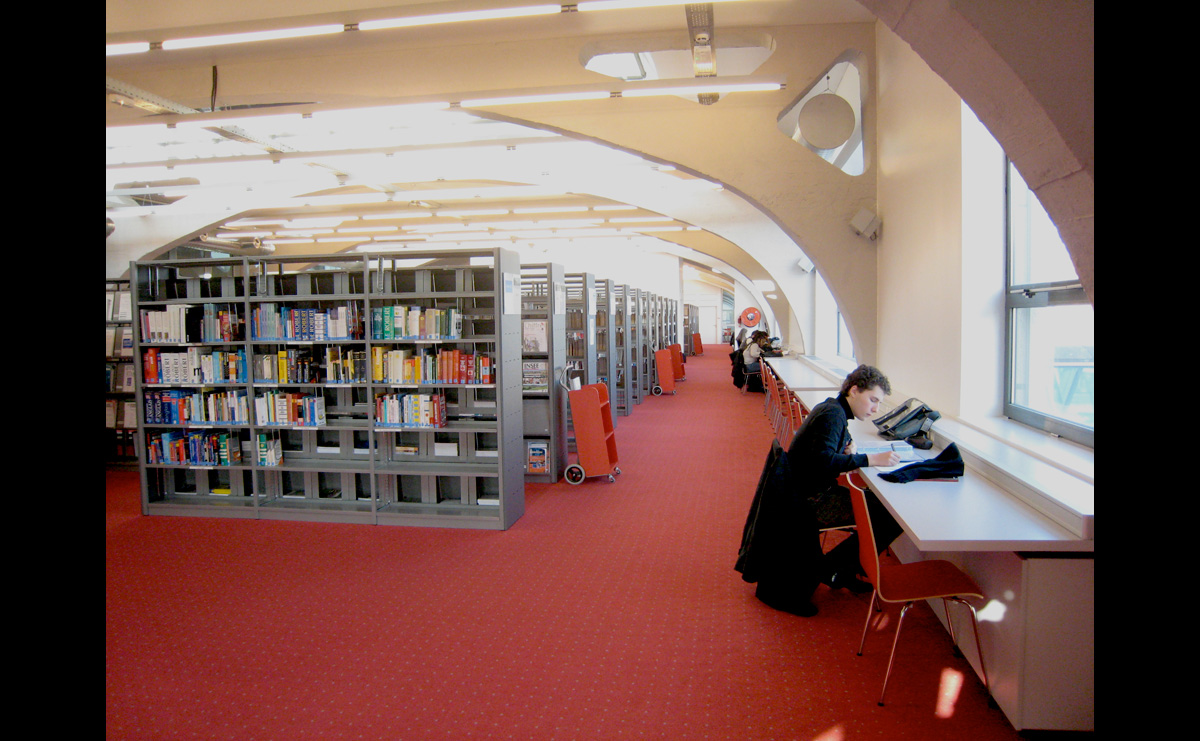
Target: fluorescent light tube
point(466, 15)
point(735, 87)
point(134, 47)
point(242, 38)
point(547, 98)
point(587, 5)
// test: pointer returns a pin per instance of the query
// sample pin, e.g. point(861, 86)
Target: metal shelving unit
point(284, 378)
point(120, 433)
point(544, 355)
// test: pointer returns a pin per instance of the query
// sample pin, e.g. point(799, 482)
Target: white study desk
point(1038, 624)
point(971, 514)
point(799, 376)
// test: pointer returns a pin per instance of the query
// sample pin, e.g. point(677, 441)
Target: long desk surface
point(971, 514)
point(1041, 656)
point(799, 376)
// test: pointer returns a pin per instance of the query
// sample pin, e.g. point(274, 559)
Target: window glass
point(1037, 254)
point(845, 345)
point(1054, 368)
point(1051, 326)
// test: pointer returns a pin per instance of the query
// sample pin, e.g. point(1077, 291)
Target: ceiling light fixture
point(397, 215)
point(136, 47)
point(251, 36)
point(528, 11)
point(701, 87)
point(719, 88)
point(460, 17)
point(593, 5)
point(541, 98)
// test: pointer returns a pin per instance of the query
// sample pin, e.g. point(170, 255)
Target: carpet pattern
point(609, 611)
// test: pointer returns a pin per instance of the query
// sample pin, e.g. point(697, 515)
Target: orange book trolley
point(664, 368)
point(677, 362)
point(595, 439)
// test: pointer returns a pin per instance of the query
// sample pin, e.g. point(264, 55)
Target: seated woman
point(759, 345)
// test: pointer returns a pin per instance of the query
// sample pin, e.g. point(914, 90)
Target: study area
point(596, 139)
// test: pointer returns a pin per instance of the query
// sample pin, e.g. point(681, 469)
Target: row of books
point(442, 366)
point(345, 366)
point(286, 409)
point(576, 346)
point(195, 448)
point(118, 342)
point(120, 414)
point(300, 366)
point(270, 449)
point(277, 322)
point(119, 377)
point(175, 406)
point(118, 306)
point(410, 410)
point(287, 366)
point(190, 323)
point(193, 366)
point(415, 323)
point(290, 409)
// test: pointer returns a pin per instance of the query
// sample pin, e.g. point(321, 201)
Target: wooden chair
point(910, 582)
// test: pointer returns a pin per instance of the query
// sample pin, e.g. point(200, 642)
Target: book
point(533, 336)
point(124, 307)
point(535, 376)
point(537, 460)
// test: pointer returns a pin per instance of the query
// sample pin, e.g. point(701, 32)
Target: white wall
point(941, 249)
point(920, 243)
point(982, 361)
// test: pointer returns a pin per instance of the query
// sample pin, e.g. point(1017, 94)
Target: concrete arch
point(1027, 70)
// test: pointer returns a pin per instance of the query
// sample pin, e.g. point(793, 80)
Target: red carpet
point(610, 610)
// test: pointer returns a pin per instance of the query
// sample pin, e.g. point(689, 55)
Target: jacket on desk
point(779, 539)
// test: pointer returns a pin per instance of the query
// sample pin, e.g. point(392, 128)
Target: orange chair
point(795, 416)
point(853, 482)
point(910, 582)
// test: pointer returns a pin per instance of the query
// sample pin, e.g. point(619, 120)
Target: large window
point(1051, 379)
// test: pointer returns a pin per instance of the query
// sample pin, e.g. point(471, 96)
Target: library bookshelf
point(369, 388)
point(120, 441)
point(543, 358)
point(622, 364)
point(606, 346)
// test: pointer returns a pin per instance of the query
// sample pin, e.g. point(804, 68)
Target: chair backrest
point(868, 556)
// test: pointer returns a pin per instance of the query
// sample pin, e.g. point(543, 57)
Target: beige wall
point(920, 244)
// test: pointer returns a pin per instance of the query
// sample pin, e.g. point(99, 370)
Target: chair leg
point(949, 622)
point(870, 609)
point(892, 658)
point(978, 646)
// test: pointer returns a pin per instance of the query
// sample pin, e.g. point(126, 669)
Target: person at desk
point(821, 450)
point(780, 544)
point(758, 347)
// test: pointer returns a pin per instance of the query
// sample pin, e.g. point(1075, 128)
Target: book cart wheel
point(657, 390)
point(617, 470)
point(575, 474)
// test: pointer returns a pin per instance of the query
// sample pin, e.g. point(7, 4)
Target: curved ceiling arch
point(511, 165)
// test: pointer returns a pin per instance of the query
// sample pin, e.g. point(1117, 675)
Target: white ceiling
point(409, 173)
